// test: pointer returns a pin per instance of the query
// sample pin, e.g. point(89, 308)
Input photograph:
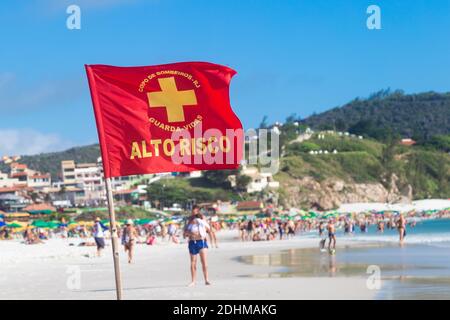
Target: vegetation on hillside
point(166, 192)
point(365, 161)
point(51, 162)
point(385, 113)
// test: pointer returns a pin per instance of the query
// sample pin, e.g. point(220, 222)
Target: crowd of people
point(200, 232)
point(262, 229)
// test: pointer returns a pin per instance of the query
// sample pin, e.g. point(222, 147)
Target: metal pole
point(114, 238)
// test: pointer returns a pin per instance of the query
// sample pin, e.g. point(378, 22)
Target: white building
point(88, 177)
point(84, 176)
point(23, 176)
point(260, 180)
point(39, 181)
point(6, 181)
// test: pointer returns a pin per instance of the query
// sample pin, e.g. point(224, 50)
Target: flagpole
point(114, 238)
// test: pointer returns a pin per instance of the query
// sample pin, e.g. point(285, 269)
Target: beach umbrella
point(52, 225)
point(107, 223)
point(14, 225)
point(141, 222)
point(39, 224)
point(71, 224)
point(35, 212)
point(2, 224)
point(333, 214)
point(312, 214)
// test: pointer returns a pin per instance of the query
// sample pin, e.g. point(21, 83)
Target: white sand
point(160, 272)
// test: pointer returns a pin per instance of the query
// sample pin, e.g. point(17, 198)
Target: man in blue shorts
point(197, 230)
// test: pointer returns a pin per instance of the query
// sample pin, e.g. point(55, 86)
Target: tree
point(242, 181)
point(47, 198)
point(340, 125)
point(388, 161)
point(263, 124)
point(291, 118)
point(443, 170)
point(220, 177)
point(162, 195)
point(34, 196)
point(440, 142)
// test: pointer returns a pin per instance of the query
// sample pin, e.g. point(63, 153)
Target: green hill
point(425, 169)
point(418, 116)
point(51, 162)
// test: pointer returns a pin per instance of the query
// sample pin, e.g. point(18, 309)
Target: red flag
point(167, 118)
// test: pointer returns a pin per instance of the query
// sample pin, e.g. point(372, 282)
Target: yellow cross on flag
point(170, 98)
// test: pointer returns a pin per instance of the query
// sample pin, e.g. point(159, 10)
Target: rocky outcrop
point(331, 193)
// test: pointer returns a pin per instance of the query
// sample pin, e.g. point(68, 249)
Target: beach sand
point(51, 270)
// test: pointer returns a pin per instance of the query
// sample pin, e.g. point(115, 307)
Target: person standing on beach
point(196, 231)
point(129, 236)
point(291, 229)
point(99, 236)
point(280, 229)
point(250, 228)
point(241, 226)
point(172, 232)
point(331, 235)
point(401, 226)
point(212, 234)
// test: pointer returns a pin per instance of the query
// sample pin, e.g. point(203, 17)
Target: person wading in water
point(401, 226)
point(331, 237)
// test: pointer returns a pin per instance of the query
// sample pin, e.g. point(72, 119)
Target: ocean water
point(434, 232)
point(420, 269)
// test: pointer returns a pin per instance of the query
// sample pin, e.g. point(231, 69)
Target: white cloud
point(29, 141)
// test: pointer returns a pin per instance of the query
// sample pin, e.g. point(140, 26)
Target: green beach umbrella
point(141, 222)
point(52, 225)
point(14, 225)
point(39, 224)
point(312, 214)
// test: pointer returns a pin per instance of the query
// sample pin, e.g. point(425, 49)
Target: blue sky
point(300, 56)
